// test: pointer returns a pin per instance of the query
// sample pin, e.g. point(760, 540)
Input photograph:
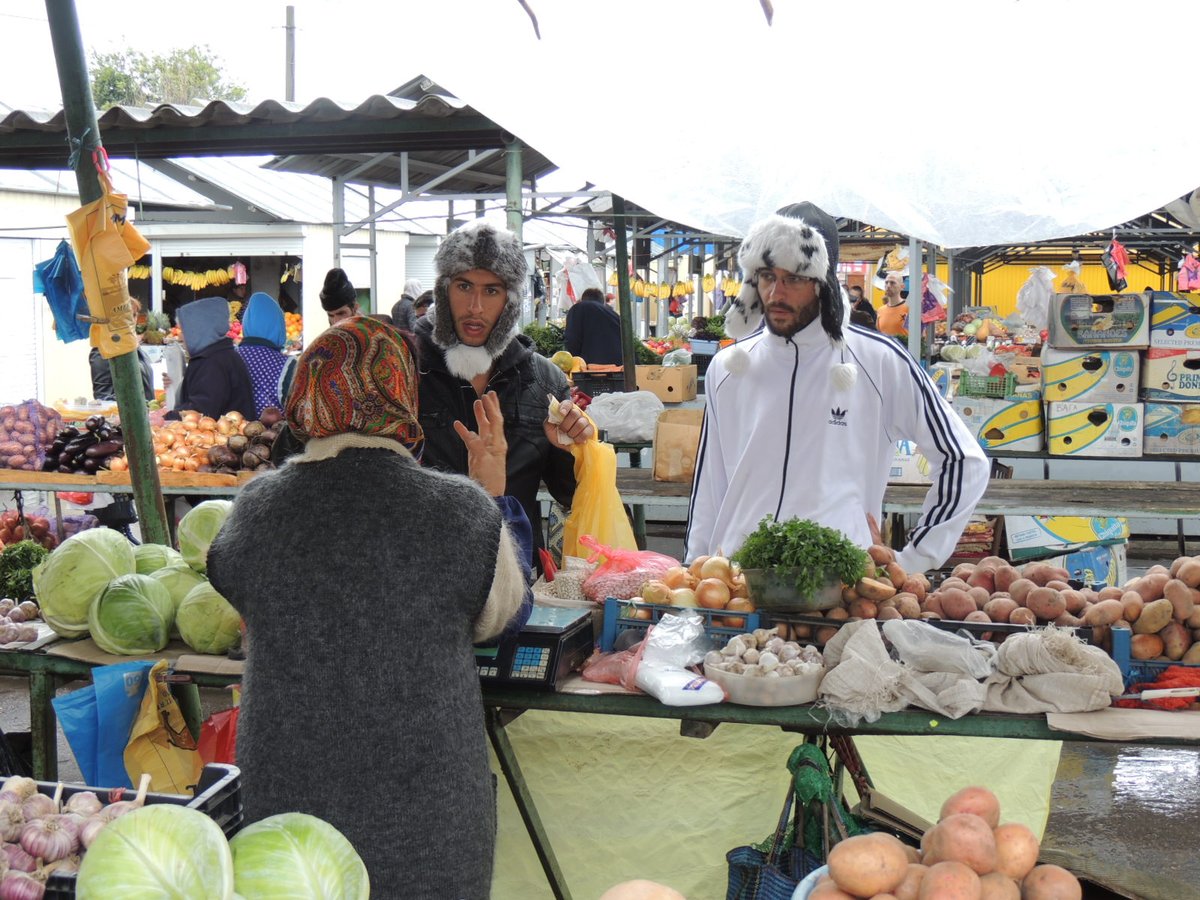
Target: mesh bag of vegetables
point(26, 430)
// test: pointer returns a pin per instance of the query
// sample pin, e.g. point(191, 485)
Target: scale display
point(552, 644)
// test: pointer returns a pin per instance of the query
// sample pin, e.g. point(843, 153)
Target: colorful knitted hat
point(357, 377)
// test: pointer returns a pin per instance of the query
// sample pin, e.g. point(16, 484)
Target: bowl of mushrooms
point(762, 669)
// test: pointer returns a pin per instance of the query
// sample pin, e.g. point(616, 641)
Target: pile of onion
point(710, 582)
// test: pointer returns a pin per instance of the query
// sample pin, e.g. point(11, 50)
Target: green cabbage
point(297, 855)
point(67, 581)
point(198, 528)
point(132, 616)
point(163, 851)
point(178, 580)
point(149, 558)
point(207, 622)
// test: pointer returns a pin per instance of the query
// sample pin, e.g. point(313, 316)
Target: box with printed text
point(1010, 423)
point(1171, 375)
point(1089, 375)
point(1116, 321)
point(1175, 320)
point(1048, 534)
point(1172, 428)
point(1094, 429)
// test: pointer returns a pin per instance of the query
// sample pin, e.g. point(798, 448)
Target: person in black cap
point(338, 297)
point(803, 412)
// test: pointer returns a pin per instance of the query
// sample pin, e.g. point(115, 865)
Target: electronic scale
point(554, 642)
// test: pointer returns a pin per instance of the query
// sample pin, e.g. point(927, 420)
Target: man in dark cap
point(470, 344)
point(803, 412)
point(338, 297)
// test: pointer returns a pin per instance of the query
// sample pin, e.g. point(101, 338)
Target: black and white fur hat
point(800, 238)
point(477, 245)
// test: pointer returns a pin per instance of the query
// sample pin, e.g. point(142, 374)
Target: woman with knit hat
point(802, 414)
point(364, 579)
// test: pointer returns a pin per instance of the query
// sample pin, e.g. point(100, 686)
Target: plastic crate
point(1138, 671)
point(986, 385)
point(975, 629)
point(615, 623)
point(593, 383)
point(218, 795)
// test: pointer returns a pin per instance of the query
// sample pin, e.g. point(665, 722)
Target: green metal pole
point(628, 351)
point(80, 113)
point(512, 187)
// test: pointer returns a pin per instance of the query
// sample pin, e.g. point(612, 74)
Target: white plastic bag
point(678, 357)
point(1033, 299)
point(626, 417)
point(925, 648)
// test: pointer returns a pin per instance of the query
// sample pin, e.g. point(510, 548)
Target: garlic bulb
point(19, 859)
point(21, 786)
point(47, 839)
point(85, 803)
point(12, 820)
point(90, 829)
point(37, 806)
point(20, 886)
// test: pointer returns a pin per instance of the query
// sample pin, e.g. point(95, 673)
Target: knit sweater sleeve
point(507, 591)
point(958, 467)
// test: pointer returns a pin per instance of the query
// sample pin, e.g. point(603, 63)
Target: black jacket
point(594, 332)
point(522, 378)
point(102, 383)
point(215, 382)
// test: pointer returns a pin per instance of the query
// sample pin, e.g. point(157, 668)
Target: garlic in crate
point(763, 654)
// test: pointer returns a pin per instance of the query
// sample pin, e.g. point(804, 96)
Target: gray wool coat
point(360, 579)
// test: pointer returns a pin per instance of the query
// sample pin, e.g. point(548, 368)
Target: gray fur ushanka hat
point(479, 245)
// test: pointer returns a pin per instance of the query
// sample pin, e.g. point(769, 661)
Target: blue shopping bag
point(60, 280)
point(97, 720)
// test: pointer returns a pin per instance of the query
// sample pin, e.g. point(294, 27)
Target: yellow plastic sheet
point(159, 742)
point(106, 245)
point(625, 798)
point(597, 509)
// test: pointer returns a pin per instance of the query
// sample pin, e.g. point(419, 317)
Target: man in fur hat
point(803, 412)
point(470, 344)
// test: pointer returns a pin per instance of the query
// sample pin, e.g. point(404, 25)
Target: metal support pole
point(80, 113)
point(512, 188)
point(372, 237)
point(339, 217)
point(628, 353)
point(914, 298)
point(289, 68)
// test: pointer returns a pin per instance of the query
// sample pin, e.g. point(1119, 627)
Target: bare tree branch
point(768, 10)
point(533, 18)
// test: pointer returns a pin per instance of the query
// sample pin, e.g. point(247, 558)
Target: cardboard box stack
point(1171, 375)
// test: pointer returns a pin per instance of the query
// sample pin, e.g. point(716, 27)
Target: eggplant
point(57, 446)
point(104, 433)
point(68, 434)
point(94, 423)
point(103, 448)
point(91, 466)
point(66, 470)
point(51, 464)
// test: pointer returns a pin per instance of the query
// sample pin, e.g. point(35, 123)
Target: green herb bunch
point(16, 569)
point(818, 554)
point(547, 339)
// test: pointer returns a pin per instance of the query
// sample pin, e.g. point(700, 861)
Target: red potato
point(1111, 592)
point(980, 596)
point(1192, 657)
point(1193, 621)
point(1145, 646)
point(1075, 600)
point(983, 578)
point(1131, 605)
point(957, 604)
point(1183, 603)
point(824, 635)
point(875, 589)
point(933, 604)
point(863, 609)
point(910, 887)
point(1046, 603)
point(1000, 608)
point(975, 801)
point(837, 614)
point(1173, 569)
point(1159, 569)
point(950, 881)
point(1051, 883)
point(1058, 584)
point(881, 555)
point(868, 864)
point(1005, 576)
point(1154, 617)
point(1104, 613)
point(896, 575)
point(915, 586)
point(1038, 573)
point(908, 606)
point(1022, 616)
point(1016, 850)
point(1188, 571)
point(888, 613)
point(963, 571)
point(965, 838)
point(992, 562)
point(828, 890)
point(1151, 586)
point(1066, 620)
point(994, 886)
point(1176, 640)
point(1020, 589)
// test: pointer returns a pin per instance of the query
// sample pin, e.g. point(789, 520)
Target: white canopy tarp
point(993, 121)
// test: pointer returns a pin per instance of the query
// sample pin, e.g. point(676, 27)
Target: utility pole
point(289, 72)
point(623, 297)
point(79, 110)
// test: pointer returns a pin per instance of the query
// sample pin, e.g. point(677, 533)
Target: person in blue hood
point(263, 336)
point(216, 380)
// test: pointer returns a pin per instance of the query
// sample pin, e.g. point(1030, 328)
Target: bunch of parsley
point(816, 553)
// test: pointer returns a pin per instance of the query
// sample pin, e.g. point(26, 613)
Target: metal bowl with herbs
point(799, 566)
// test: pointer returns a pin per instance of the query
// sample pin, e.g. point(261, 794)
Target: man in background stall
point(892, 317)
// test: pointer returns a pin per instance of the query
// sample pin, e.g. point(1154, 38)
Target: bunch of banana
point(235, 307)
point(638, 287)
point(612, 279)
point(137, 271)
point(664, 291)
point(709, 284)
point(731, 286)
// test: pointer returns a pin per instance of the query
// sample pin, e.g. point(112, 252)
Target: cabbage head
point(198, 528)
point(132, 616)
point(207, 622)
point(161, 850)
point(149, 558)
point(71, 577)
point(296, 855)
point(178, 580)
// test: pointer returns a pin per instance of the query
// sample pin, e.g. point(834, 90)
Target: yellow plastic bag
point(106, 245)
point(160, 743)
point(597, 509)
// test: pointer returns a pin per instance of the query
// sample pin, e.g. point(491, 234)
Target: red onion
point(19, 886)
point(47, 839)
point(18, 859)
point(12, 820)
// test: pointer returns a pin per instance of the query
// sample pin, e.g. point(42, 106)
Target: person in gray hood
point(216, 380)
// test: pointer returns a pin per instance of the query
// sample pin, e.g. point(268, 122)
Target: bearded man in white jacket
point(803, 412)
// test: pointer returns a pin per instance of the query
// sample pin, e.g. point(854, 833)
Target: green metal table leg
point(639, 511)
point(533, 823)
point(43, 726)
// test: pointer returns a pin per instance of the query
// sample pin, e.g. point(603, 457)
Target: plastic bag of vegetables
point(297, 855)
point(198, 528)
point(207, 622)
point(73, 575)
point(158, 851)
point(132, 616)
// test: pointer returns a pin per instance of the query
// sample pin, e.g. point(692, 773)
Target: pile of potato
point(1162, 606)
point(967, 855)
